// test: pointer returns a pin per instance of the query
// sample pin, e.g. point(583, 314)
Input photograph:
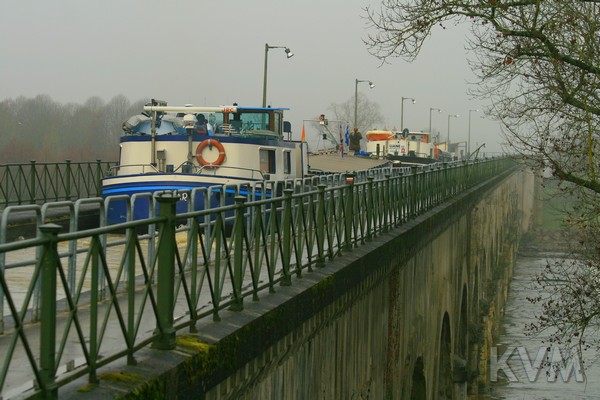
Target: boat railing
point(187, 168)
point(252, 173)
point(145, 169)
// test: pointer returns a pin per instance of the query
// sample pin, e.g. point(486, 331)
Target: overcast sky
point(212, 53)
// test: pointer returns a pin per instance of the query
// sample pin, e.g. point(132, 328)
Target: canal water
point(521, 354)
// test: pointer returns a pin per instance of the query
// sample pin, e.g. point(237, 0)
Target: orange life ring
point(210, 142)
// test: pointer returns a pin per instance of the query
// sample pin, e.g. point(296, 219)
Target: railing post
point(3, 186)
point(98, 179)
point(238, 255)
point(32, 176)
point(386, 202)
point(369, 210)
point(445, 183)
point(321, 226)
point(414, 193)
point(48, 272)
point(130, 275)
point(95, 250)
point(286, 228)
point(165, 282)
point(349, 211)
point(68, 180)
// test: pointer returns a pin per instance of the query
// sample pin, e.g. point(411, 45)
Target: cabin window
point(287, 162)
point(277, 123)
point(256, 121)
point(267, 161)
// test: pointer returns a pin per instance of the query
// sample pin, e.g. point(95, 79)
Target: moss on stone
point(122, 377)
point(87, 388)
point(324, 285)
point(193, 342)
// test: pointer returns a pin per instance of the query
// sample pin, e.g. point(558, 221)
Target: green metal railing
point(37, 183)
point(110, 291)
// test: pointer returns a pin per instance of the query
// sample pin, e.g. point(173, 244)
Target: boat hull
point(132, 197)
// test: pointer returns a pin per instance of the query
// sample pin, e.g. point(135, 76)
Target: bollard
point(165, 282)
point(48, 271)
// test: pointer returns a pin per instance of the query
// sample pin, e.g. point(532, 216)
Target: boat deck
point(334, 162)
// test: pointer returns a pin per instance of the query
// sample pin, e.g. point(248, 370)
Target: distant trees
point(44, 130)
point(368, 113)
point(539, 64)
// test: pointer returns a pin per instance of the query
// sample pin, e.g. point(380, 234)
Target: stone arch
point(419, 385)
point(444, 376)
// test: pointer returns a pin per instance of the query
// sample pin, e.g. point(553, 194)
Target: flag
point(347, 136)
point(303, 137)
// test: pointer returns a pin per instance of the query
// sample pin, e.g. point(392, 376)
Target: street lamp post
point(402, 111)
point(356, 98)
point(430, 110)
point(469, 139)
point(448, 140)
point(288, 53)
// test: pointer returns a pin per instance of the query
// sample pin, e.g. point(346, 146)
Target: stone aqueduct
point(409, 315)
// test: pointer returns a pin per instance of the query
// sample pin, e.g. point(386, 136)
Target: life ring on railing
point(210, 143)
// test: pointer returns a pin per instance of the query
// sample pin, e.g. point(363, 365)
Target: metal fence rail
point(107, 292)
point(37, 183)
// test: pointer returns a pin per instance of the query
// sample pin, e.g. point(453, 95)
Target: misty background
point(73, 71)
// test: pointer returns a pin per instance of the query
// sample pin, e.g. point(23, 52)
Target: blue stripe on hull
point(117, 210)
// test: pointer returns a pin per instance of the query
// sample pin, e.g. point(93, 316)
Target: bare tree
point(539, 64)
point(538, 61)
point(368, 113)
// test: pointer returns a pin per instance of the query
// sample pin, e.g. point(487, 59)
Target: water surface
point(527, 383)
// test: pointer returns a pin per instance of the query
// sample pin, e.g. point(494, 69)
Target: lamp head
point(288, 53)
point(371, 85)
point(189, 120)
